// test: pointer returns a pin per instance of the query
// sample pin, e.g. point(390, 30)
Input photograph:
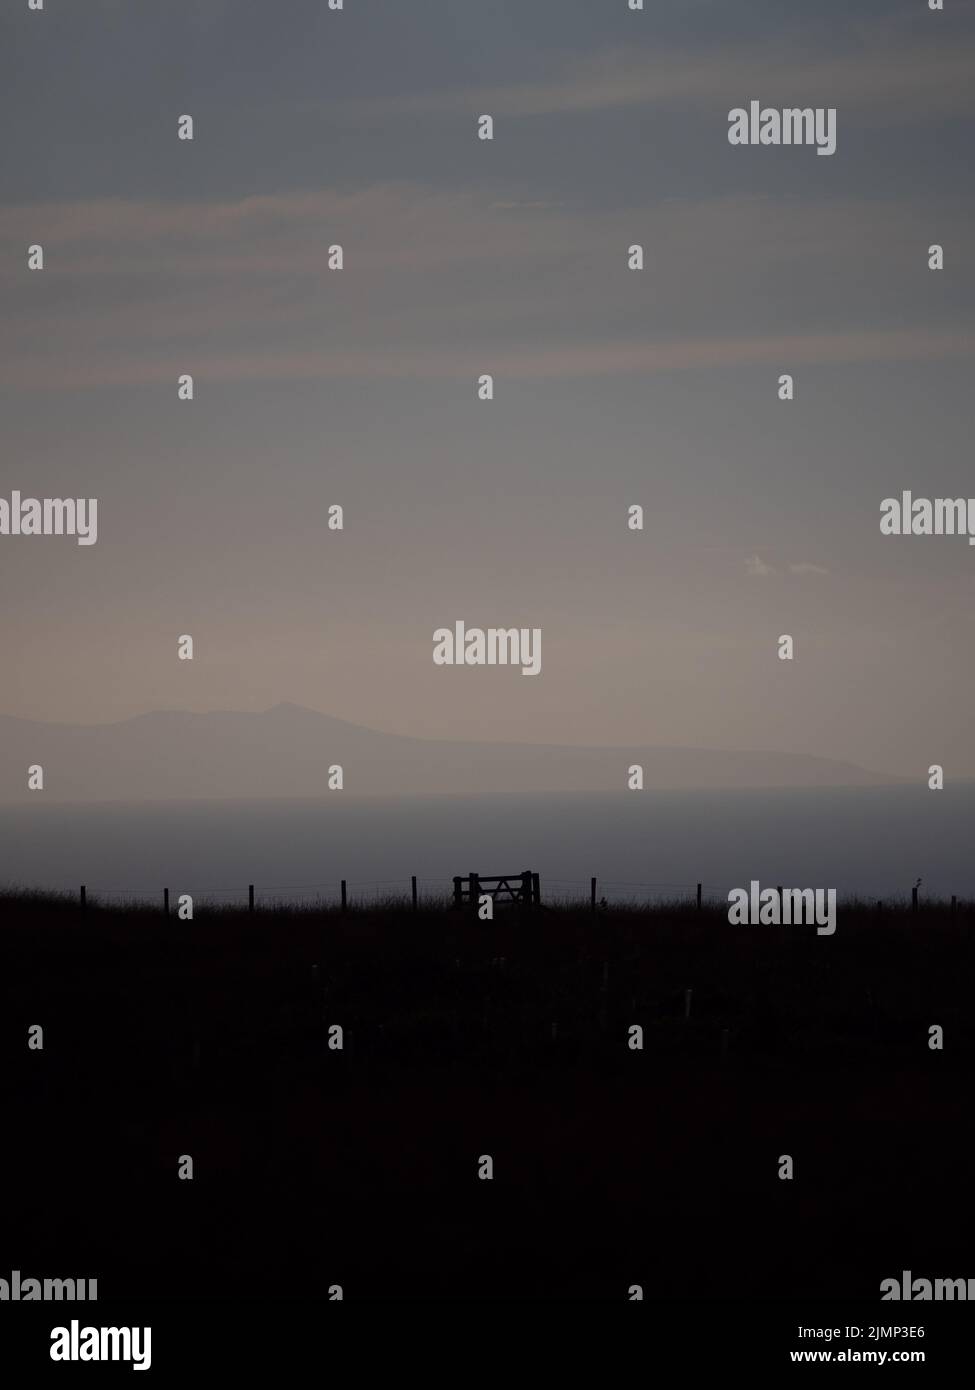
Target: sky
point(612, 387)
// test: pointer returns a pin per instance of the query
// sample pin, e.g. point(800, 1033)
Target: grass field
point(612, 1166)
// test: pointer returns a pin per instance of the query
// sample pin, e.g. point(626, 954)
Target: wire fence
point(379, 890)
point(425, 891)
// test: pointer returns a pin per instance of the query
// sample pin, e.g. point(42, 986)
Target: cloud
point(241, 287)
point(885, 73)
point(758, 569)
point(275, 362)
point(533, 206)
point(411, 225)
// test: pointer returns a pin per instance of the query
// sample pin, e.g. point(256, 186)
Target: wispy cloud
point(885, 73)
point(543, 363)
point(241, 288)
point(757, 568)
point(413, 226)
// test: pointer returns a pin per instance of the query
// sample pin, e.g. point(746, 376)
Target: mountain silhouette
point(286, 751)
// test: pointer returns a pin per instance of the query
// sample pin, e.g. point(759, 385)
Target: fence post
point(250, 897)
point(914, 898)
point(413, 887)
point(526, 888)
point(536, 890)
point(344, 897)
point(84, 897)
point(592, 894)
point(458, 891)
point(165, 902)
point(699, 887)
point(474, 882)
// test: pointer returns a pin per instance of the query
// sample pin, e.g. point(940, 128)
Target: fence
point(522, 888)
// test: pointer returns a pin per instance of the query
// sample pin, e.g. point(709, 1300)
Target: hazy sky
point(612, 387)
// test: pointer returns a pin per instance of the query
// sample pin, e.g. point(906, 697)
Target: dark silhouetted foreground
point(461, 1038)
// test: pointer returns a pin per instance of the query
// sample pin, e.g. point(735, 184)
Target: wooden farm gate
point(503, 888)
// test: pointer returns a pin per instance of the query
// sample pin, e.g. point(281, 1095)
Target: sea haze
point(871, 841)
